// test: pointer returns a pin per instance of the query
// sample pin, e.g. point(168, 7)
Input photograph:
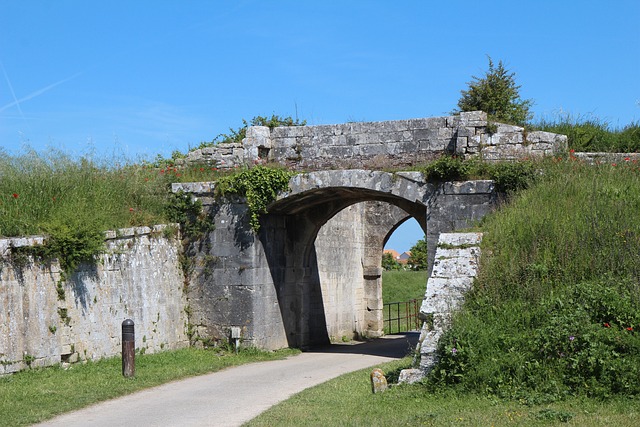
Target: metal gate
point(402, 316)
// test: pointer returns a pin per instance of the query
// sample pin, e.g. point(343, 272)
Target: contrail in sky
point(15, 100)
point(32, 95)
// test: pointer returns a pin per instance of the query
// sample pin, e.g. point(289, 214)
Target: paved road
point(236, 395)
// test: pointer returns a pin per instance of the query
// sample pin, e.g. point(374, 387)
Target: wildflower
point(614, 164)
point(606, 325)
point(131, 209)
point(15, 195)
point(626, 159)
point(630, 328)
point(454, 351)
point(161, 170)
point(571, 338)
point(201, 169)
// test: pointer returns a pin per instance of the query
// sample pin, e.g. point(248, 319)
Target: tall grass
point(579, 223)
point(593, 134)
point(43, 193)
point(555, 310)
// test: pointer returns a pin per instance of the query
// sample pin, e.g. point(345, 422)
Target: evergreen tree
point(497, 94)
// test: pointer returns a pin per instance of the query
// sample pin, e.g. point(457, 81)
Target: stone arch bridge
point(313, 271)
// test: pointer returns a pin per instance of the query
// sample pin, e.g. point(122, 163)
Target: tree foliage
point(418, 258)
point(497, 94)
point(389, 263)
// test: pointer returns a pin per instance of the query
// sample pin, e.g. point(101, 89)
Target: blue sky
point(136, 79)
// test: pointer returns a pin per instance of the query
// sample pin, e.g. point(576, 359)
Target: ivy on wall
point(260, 185)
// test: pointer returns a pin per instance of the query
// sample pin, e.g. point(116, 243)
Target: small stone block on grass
point(378, 381)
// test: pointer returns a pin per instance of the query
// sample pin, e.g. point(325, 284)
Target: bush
point(497, 94)
point(389, 263)
point(448, 168)
point(260, 185)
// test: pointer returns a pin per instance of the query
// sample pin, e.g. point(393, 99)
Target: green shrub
point(389, 263)
point(448, 168)
point(497, 94)
point(508, 176)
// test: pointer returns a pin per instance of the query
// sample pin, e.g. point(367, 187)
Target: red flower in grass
point(606, 325)
point(15, 195)
point(131, 209)
point(630, 328)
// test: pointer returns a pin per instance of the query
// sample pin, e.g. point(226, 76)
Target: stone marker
point(410, 376)
point(378, 381)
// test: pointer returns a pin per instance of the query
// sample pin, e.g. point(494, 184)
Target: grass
point(401, 286)
point(555, 310)
point(36, 395)
point(348, 401)
point(587, 133)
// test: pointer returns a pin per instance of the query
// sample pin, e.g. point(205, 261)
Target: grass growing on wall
point(587, 133)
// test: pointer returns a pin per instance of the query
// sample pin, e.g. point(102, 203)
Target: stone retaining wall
point(139, 277)
point(454, 270)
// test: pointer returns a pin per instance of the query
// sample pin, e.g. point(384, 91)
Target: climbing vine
point(260, 185)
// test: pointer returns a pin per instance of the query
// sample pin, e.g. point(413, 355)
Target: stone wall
point(380, 145)
point(139, 277)
point(454, 270)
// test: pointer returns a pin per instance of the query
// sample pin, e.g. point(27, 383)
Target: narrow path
point(236, 395)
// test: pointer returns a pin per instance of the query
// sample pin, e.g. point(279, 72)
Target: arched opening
point(324, 247)
point(403, 279)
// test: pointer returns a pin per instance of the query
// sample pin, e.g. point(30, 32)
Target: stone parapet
point(382, 145)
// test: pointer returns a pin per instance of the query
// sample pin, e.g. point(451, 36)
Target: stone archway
point(270, 284)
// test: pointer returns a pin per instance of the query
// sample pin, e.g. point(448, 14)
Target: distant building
point(393, 253)
point(403, 258)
